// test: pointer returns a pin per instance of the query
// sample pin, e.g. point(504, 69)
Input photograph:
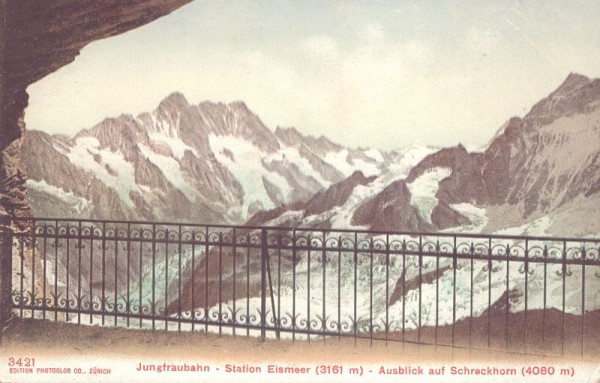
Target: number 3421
point(21, 362)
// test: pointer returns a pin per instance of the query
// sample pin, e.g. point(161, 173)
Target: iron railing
point(535, 295)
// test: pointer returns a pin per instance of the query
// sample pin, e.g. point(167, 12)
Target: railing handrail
point(287, 280)
point(324, 230)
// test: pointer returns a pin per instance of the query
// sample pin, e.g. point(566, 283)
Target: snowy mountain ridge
point(539, 174)
point(210, 162)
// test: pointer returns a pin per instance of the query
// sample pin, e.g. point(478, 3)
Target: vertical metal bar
point(583, 258)
point(372, 244)
point(309, 243)
point(103, 294)
point(437, 290)
point(193, 308)
point(79, 297)
point(404, 274)
point(116, 283)
point(564, 283)
point(166, 278)
point(56, 272)
point(339, 290)
point(91, 272)
point(270, 281)
point(179, 250)
point(507, 305)
point(355, 283)
point(44, 276)
point(294, 259)
point(526, 295)
point(263, 285)
point(324, 256)
point(489, 332)
point(248, 285)
point(6, 257)
point(45, 267)
point(234, 255)
point(454, 266)
point(141, 277)
point(420, 261)
point(387, 287)
point(207, 259)
point(22, 276)
point(68, 268)
point(221, 240)
point(33, 246)
point(128, 305)
point(545, 298)
point(471, 261)
point(278, 323)
point(153, 304)
point(220, 283)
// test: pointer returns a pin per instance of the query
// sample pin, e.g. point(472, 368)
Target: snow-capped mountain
point(211, 162)
point(539, 175)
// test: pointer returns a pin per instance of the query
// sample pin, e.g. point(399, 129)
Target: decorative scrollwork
point(396, 245)
point(465, 248)
point(316, 323)
point(287, 321)
point(517, 251)
point(411, 246)
point(537, 252)
point(592, 254)
point(301, 241)
point(97, 232)
point(430, 247)
point(316, 243)
point(379, 244)
point(480, 250)
point(332, 242)
point(161, 234)
point(494, 266)
point(226, 315)
point(110, 233)
point(122, 233)
point(576, 253)
point(173, 236)
point(200, 314)
point(553, 253)
point(62, 230)
point(525, 268)
point(455, 265)
point(565, 270)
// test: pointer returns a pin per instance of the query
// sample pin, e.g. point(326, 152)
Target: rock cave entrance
point(37, 37)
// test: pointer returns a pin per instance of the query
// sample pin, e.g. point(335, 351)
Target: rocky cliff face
point(551, 156)
point(38, 37)
point(210, 162)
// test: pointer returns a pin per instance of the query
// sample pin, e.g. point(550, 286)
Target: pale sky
point(382, 74)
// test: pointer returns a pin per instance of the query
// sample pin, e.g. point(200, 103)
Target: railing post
point(5, 272)
point(264, 253)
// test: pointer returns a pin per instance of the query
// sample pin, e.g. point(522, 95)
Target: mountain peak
point(175, 99)
point(575, 95)
point(238, 104)
point(572, 82)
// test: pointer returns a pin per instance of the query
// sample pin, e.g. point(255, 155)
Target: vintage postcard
point(286, 191)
